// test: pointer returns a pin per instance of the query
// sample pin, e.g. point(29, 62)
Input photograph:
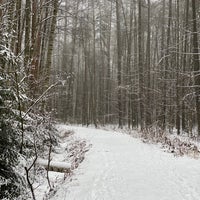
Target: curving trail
point(119, 167)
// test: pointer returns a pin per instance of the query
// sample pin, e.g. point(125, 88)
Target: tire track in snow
point(100, 187)
point(190, 192)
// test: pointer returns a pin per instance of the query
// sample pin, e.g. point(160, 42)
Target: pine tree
point(11, 183)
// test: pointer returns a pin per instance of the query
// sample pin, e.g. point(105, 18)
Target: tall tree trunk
point(108, 82)
point(184, 63)
point(148, 68)
point(196, 64)
point(166, 69)
point(119, 63)
point(35, 50)
point(94, 99)
point(51, 43)
point(71, 73)
point(163, 54)
point(178, 103)
point(129, 50)
point(140, 65)
point(19, 30)
point(27, 34)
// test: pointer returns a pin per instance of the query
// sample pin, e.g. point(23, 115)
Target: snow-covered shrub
point(11, 182)
point(76, 152)
point(175, 144)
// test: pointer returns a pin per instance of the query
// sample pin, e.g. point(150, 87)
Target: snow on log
point(55, 165)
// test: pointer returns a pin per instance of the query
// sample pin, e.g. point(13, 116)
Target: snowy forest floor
point(118, 166)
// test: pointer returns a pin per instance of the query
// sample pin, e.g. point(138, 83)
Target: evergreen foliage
point(10, 180)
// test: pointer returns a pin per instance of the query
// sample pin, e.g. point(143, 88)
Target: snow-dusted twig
point(44, 93)
point(49, 160)
point(27, 170)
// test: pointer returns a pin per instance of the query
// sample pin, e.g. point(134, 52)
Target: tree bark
point(140, 65)
point(119, 64)
point(196, 65)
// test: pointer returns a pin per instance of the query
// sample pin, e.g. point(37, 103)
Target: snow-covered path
point(119, 167)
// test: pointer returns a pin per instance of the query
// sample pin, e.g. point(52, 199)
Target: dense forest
point(132, 63)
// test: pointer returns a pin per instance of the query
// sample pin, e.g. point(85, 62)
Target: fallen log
point(54, 165)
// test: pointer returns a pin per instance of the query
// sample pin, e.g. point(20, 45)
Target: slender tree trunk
point(19, 30)
point(163, 53)
point(134, 92)
point(148, 68)
point(108, 84)
point(27, 34)
point(196, 64)
point(178, 113)
point(51, 43)
point(129, 50)
point(140, 65)
point(71, 66)
point(94, 98)
point(166, 69)
point(119, 63)
point(184, 63)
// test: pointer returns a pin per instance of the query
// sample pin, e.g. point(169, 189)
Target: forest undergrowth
point(179, 145)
